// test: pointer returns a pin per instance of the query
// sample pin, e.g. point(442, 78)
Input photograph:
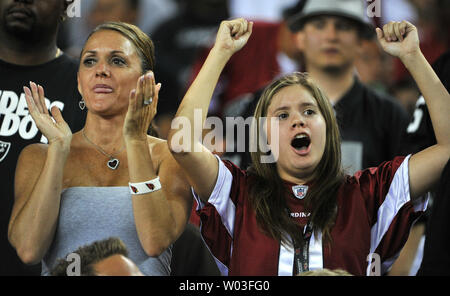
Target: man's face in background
point(329, 43)
point(30, 19)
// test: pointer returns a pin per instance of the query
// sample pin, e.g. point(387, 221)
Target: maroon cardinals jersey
point(374, 217)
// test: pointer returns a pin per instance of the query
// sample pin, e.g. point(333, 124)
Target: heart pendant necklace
point(113, 162)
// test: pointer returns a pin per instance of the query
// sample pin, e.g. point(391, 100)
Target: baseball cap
point(351, 9)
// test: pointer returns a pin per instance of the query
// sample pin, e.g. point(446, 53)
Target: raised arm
point(184, 139)
point(400, 39)
point(160, 215)
point(38, 182)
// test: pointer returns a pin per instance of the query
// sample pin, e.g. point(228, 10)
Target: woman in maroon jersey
point(300, 211)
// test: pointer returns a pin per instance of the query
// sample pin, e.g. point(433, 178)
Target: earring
point(82, 104)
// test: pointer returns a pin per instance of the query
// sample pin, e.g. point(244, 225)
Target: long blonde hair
point(267, 194)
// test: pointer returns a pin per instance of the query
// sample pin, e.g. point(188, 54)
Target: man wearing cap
point(329, 34)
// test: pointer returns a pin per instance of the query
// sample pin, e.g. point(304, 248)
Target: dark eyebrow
point(90, 51)
point(308, 104)
point(320, 17)
point(281, 108)
point(305, 104)
point(94, 52)
point(117, 51)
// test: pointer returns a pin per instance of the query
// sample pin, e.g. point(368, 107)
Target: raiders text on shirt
point(16, 117)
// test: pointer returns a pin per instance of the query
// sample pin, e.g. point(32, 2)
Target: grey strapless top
point(88, 214)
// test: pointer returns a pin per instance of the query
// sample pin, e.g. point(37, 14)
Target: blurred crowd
point(184, 30)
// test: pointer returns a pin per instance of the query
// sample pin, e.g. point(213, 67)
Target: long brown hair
point(267, 194)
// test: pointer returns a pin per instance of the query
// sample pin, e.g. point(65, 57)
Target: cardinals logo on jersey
point(300, 191)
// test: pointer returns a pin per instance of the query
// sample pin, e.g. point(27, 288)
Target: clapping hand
point(142, 107)
point(399, 39)
point(53, 126)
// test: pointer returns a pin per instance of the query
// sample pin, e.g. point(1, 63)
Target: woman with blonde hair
point(109, 179)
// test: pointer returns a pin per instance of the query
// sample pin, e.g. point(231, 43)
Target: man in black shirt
point(420, 134)
point(28, 52)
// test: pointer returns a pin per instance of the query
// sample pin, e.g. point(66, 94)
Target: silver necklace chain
point(113, 162)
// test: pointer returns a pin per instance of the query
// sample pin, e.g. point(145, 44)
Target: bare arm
point(402, 266)
point(199, 164)
point(425, 167)
point(161, 215)
point(38, 183)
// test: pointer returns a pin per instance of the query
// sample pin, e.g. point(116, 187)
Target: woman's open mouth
point(301, 143)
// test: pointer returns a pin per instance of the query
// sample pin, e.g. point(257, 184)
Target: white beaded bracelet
point(145, 187)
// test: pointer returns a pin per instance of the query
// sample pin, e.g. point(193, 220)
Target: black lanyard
point(301, 253)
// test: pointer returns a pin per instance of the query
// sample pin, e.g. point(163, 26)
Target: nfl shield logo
point(300, 191)
point(4, 149)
